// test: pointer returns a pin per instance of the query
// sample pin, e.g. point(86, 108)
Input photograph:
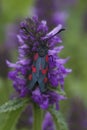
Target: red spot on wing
point(36, 56)
point(45, 80)
point(44, 71)
point(46, 58)
point(30, 77)
point(34, 69)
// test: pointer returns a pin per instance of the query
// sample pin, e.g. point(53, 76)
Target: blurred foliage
point(12, 10)
point(15, 8)
point(76, 47)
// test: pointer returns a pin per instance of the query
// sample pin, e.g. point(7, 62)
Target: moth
point(39, 72)
point(38, 76)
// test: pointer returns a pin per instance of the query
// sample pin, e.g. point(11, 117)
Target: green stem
point(54, 115)
point(37, 125)
point(12, 118)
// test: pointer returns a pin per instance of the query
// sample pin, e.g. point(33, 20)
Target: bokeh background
point(73, 15)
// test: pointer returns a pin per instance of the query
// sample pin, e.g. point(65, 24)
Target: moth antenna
point(26, 30)
point(63, 29)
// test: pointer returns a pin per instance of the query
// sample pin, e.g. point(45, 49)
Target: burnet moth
point(38, 75)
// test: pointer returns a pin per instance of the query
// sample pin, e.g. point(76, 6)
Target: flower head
point(39, 70)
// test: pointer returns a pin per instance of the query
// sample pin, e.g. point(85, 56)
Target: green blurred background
point(74, 40)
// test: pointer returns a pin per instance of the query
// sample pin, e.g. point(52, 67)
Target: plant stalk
point(37, 125)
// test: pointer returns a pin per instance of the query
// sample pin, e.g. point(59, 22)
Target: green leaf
point(11, 119)
point(12, 110)
point(12, 105)
point(58, 119)
point(61, 92)
point(58, 90)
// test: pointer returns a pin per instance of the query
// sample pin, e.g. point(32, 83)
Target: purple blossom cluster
point(32, 33)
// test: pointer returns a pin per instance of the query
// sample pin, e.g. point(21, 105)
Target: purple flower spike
point(39, 70)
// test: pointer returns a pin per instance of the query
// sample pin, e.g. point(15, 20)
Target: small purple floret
point(48, 123)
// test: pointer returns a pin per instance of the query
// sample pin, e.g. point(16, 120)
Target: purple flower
point(48, 123)
point(44, 100)
point(39, 70)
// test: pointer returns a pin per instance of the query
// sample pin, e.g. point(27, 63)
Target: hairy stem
point(37, 125)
